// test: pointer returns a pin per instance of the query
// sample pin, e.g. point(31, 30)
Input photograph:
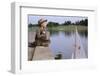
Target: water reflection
point(61, 41)
point(83, 33)
point(68, 33)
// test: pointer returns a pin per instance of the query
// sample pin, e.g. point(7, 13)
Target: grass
point(63, 28)
point(68, 28)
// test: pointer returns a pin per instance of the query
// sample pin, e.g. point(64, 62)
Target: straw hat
point(41, 21)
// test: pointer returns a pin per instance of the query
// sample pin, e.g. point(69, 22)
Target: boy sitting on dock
point(42, 37)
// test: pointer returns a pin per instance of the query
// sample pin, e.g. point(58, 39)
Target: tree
point(52, 24)
point(30, 25)
point(86, 22)
point(77, 22)
point(67, 23)
point(82, 22)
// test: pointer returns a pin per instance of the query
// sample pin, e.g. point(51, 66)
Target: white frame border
point(16, 30)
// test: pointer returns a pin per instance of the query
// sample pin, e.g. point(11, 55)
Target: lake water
point(63, 43)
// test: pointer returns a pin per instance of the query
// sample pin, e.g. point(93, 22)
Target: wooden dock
point(40, 52)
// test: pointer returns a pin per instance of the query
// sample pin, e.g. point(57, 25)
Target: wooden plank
point(42, 53)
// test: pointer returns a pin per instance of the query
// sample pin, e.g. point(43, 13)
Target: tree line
point(66, 23)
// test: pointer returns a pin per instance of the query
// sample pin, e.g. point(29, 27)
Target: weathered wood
point(31, 36)
point(30, 53)
point(42, 53)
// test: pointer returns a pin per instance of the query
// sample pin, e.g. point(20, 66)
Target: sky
point(33, 19)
